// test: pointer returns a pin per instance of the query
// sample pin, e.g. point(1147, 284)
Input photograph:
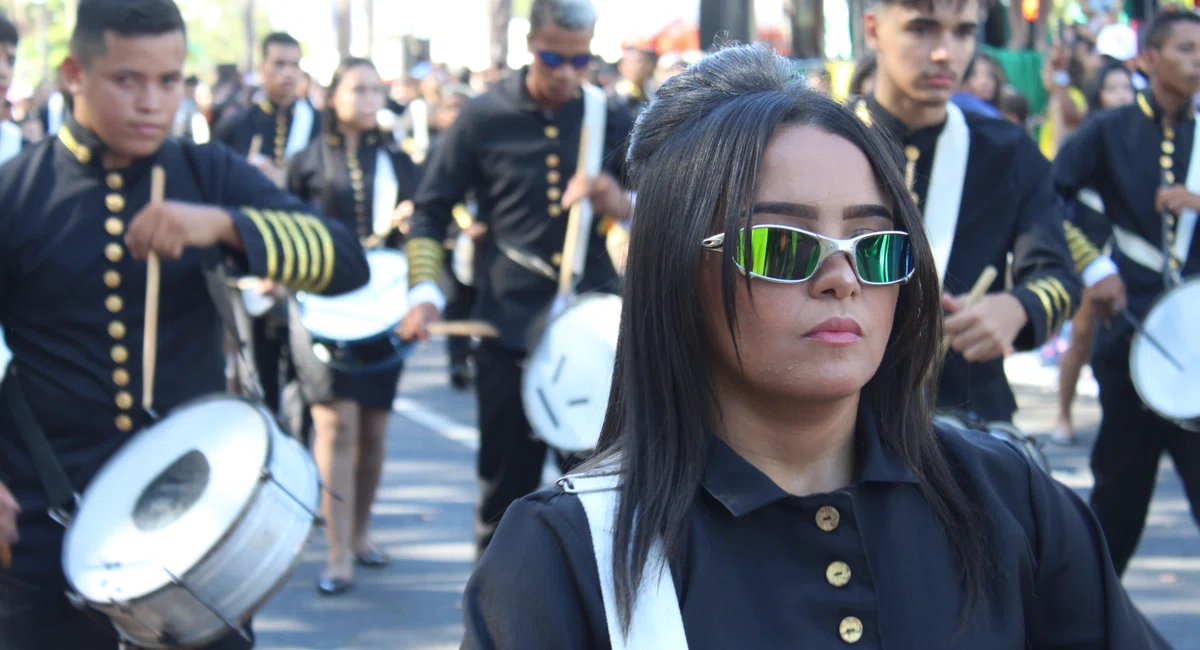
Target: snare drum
point(356, 331)
point(193, 525)
point(1173, 394)
point(566, 380)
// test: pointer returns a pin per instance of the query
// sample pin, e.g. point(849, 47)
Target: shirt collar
point(742, 488)
point(516, 90)
point(872, 113)
point(85, 146)
point(369, 138)
point(271, 108)
point(1151, 108)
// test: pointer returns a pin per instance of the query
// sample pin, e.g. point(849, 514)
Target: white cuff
point(426, 291)
point(1098, 269)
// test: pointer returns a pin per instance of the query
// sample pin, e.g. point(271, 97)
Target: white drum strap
point(944, 196)
point(301, 129)
point(595, 117)
point(1137, 249)
point(657, 622)
point(386, 191)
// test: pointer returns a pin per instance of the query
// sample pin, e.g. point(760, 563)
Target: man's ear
point(871, 29)
point(71, 72)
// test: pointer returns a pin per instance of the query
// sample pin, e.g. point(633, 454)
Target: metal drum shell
point(248, 565)
point(1148, 379)
point(580, 342)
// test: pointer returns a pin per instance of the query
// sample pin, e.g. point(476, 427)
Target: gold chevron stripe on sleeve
point(300, 244)
point(1047, 305)
point(285, 244)
point(314, 250)
point(327, 252)
point(268, 239)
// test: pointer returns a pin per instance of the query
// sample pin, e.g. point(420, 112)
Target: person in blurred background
point(982, 85)
point(341, 173)
point(1111, 88)
point(636, 67)
point(1014, 106)
point(862, 82)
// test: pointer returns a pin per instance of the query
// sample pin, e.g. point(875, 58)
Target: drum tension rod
point(317, 518)
point(228, 623)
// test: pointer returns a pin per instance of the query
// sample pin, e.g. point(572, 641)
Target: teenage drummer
point(985, 191)
point(515, 147)
point(75, 233)
point(1140, 159)
point(344, 173)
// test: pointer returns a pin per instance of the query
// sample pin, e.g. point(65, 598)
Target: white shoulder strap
point(657, 622)
point(300, 131)
point(944, 197)
point(385, 192)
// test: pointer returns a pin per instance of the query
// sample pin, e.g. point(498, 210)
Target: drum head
point(365, 312)
point(567, 379)
point(166, 499)
point(1172, 321)
point(5, 354)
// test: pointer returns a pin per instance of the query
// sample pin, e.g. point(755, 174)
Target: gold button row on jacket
point(828, 518)
point(115, 227)
point(850, 629)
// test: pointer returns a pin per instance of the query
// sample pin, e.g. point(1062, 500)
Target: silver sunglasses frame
point(829, 247)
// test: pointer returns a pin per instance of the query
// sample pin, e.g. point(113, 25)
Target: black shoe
point(373, 559)
point(333, 586)
point(460, 375)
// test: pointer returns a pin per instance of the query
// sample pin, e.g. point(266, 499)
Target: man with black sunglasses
point(515, 148)
point(986, 193)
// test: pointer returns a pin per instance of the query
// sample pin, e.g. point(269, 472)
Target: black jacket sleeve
point(1044, 277)
point(285, 239)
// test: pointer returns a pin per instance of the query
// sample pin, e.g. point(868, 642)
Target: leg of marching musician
point(1125, 464)
point(1184, 447)
point(510, 457)
point(372, 439)
point(35, 617)
point(336, 437)
point(1083, 326)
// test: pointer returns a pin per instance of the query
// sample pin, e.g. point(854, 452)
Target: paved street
point(424, 520)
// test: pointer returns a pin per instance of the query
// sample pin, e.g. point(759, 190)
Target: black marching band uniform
point(760, 568)
point(1008, 205)
point(343, 187)
point(517, 160)
point(1127, 154)
point(72, 303)
point(273, 124)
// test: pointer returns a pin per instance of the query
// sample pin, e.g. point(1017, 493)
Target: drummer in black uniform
point(350, 411)
point(284, 124)
point(1007, 205)
point(1138, 158)
point(75, 231)
point(516, 147)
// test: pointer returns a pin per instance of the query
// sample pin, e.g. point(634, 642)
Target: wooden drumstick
point(5, 555)
point(255, 147)
point(158, 183)
point(566, 273)
point(977, 292)
point(464, 328)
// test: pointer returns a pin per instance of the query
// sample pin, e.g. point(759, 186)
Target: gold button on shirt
point(124, 401)
point(114, 181)
point(851, 629)
point(116, 329)
point(114, 226)
point(838, 574)
point(121, 377)
point(124, 423)
point(112, 279)
point(828, 518)
point(114, 202)
point(120, 354)
point(114, 252)
point(114, 303)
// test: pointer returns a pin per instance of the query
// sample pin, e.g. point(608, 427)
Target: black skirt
point(321, 384)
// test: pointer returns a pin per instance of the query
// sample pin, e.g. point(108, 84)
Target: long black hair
point(695, 158)
point(1096, 84)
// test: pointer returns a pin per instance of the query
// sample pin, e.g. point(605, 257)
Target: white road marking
point(463, 434)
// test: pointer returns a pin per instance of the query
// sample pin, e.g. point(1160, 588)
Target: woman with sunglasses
point(343, 172)
point(770, 428)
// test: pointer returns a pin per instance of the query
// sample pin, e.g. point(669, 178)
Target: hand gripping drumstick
point(158, 182)
point(978, 291)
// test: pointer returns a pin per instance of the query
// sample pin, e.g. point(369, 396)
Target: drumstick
point(464, 328)
point(255, 147)
point(5, 555)
point(978, 291)
point(158, 182)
